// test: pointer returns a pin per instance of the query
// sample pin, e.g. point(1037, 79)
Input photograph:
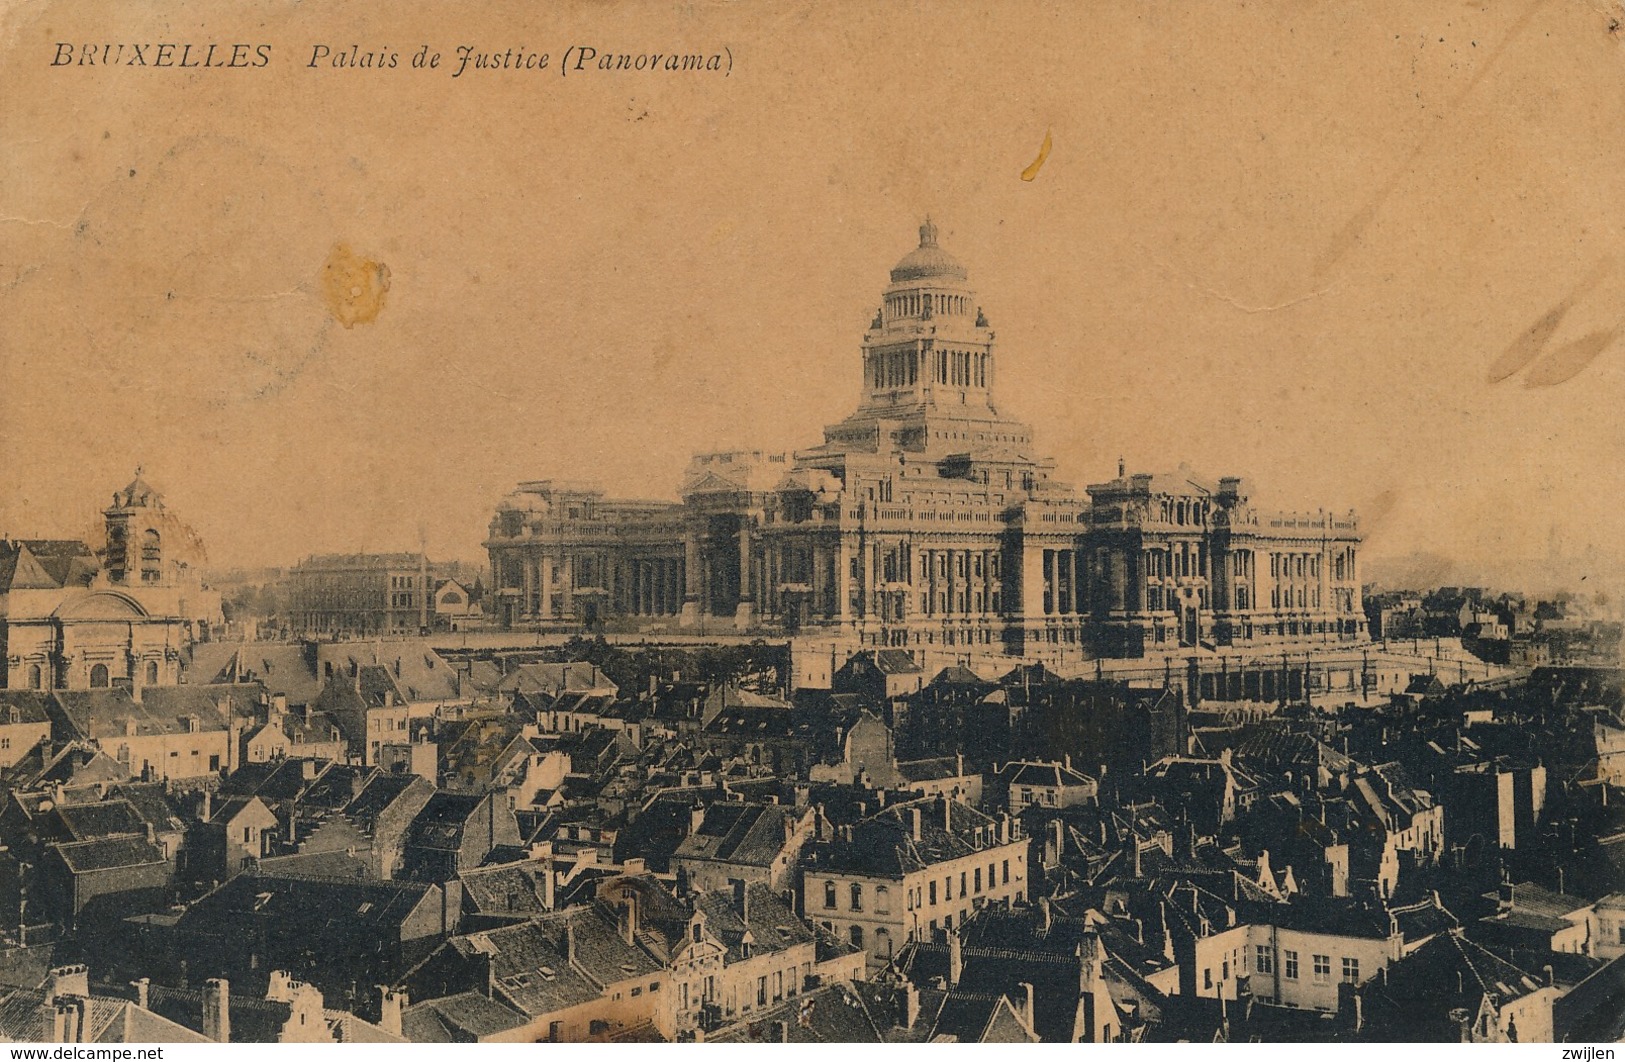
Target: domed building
point(74, 616)
point(927, 519)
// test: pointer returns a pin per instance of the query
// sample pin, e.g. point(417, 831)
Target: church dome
point(928, 261)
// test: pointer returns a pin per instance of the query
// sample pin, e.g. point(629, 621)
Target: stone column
point(527, 585)
point(843, 578)
point(691, 579)
point(545, 574)
point(745, 612)
point(567, 587)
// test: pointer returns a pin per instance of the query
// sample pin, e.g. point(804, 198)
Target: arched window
point(151, 557)
point(857, 896)
point(882, 944)
point(829, 894)
point(152, 672)
point(98, 677)
point(882, 899)
point(34, 677)
point(855, 934)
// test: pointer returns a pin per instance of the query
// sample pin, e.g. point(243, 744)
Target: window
point(1207, 977)
point(1289, 965)
point(882, 900)
point(1323, 969)
point(1005, 876)
point(857, 896)
point(933, 888)
point(152, 672)
point(855, 935)
point(1351, 971)
point(98, 677)
point(978, 879)
point(961, 884)
point(35, 676)
point(761, 991)
point(1265, 959)
point(829, 897)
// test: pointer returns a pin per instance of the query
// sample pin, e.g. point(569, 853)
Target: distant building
point(360, 594)
point(74, 617)
point(1044, 785)
point(926, 518)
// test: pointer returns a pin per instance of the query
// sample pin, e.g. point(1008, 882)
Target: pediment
point(103, 604)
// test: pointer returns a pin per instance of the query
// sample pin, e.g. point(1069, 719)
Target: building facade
point(75, 616)
point(361, 594)
point(924, 518)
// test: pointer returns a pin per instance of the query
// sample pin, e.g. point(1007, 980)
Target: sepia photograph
point(681, 521)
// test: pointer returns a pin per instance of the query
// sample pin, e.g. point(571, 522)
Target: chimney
point(67, 981)
point(206, 812)
point(217, 1010)
point(911, 1004)
point(1509, 894)
point(696, 816)
point(390, 1005)
point(914, 822)
point(1027, 1003)
point(956, 958)
point(142, 988)
point(62, 1024)
point(629, 931)
point(947, 814)
point(570, 937)
point(781, 1032)
point(1044, 914)
point(741, 895)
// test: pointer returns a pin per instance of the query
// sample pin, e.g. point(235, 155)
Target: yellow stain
point(1043, 153)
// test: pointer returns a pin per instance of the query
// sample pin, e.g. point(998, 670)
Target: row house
point(911, 871)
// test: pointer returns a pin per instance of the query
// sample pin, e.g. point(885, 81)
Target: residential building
point(911, 871)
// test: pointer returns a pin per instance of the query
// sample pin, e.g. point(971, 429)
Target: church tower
point(136, 540)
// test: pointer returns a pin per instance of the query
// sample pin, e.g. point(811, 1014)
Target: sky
point(1367, 256)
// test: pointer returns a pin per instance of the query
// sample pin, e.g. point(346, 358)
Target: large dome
point(927, 260)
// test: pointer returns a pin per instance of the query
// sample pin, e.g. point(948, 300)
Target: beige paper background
point(1295, 241)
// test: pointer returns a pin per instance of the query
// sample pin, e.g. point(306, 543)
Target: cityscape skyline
point(1165, 289)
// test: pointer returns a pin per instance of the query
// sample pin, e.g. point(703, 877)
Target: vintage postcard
point(948, 522)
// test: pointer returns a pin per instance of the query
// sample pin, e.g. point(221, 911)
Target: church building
point(74, 617)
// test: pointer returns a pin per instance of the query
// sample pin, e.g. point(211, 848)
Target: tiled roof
point(108, 713)
point(773, 926)
point(737, 832)
point(30, 706)
point(308, 907)
point(86, 822)
point(109, 853)
point(884, 846)
point(458, 1018)
point(1052, 775)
